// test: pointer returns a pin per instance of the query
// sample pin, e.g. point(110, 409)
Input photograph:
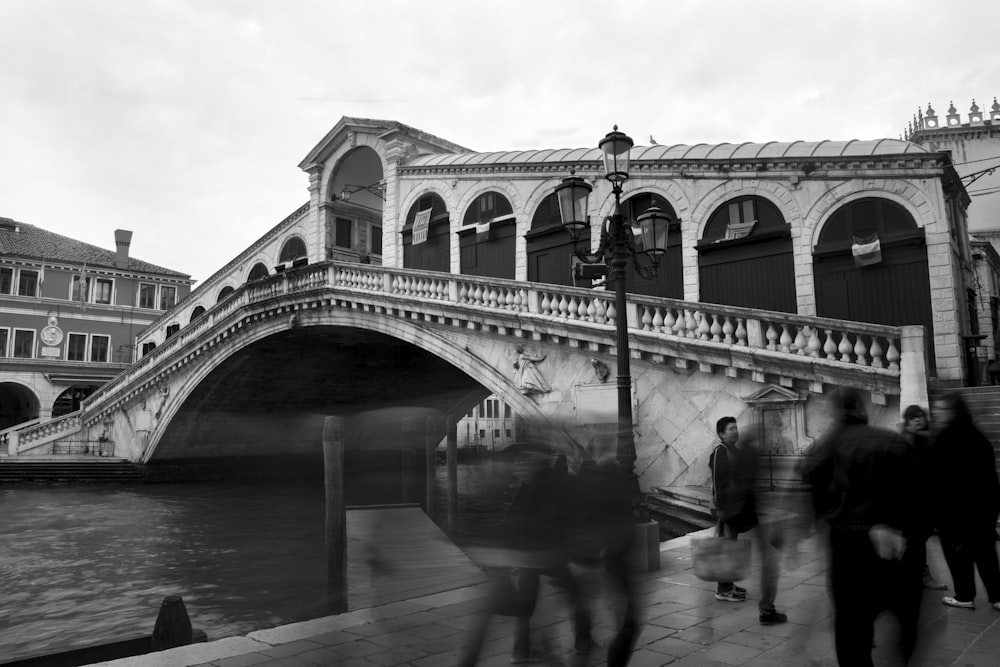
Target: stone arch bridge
point(256, 373)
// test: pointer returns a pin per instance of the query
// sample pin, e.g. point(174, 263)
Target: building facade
point(69, 316)
point(867, 231)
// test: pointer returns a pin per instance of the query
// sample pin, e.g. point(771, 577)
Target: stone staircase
point(984, 404)
point(86, 469)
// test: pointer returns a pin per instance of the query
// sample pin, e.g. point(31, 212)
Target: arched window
point(172, 329)
point(293, 249)
point(224, 292)
point(891, 286)
point(147, 348)
point(486, 240)
point(433, 253)
point(196, 313)
point(745, 257)
point(258, 272)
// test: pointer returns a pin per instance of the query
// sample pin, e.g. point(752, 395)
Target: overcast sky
point(185, 120)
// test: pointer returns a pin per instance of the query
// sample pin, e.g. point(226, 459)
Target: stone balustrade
point(545, 309)
point(37, 438)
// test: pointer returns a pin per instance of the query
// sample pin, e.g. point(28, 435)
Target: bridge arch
point(478, 371)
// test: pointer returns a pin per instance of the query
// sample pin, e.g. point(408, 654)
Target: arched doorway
point(893, 289)
point(550, 247)
point(669, 281)
point(745, 257)
point(18, 404)
point(69, 400)
point(355, 199)
point(486, 240)
point(433, 253)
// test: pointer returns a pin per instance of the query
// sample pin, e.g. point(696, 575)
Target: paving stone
point(242, 660)
point(356, 649)
point(675, 647)
point(291, 648)
point(676, 621)
point(396, 656)
point(730, 653)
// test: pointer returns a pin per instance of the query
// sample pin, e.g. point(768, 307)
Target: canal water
point(83, 564)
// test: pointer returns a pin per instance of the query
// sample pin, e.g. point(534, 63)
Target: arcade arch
point(434, 253)
point(487, 242)
point(745, 256)
point(18, 404)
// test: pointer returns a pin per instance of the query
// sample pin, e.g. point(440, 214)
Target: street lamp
point(618, 243)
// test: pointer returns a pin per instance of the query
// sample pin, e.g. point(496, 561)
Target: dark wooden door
point(550, 255)
point(752, 273)
point(491, 254)
point(431, 255)
point(894, 292)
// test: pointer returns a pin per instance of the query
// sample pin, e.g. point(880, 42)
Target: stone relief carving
point(600, 369)
point(526, 375)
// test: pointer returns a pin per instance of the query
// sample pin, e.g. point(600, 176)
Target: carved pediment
point(773, 394)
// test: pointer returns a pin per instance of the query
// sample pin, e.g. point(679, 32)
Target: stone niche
point(778, 431)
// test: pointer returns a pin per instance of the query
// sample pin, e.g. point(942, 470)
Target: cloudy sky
point(185, 120)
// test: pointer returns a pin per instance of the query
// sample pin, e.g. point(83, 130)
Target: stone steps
point(54, 469)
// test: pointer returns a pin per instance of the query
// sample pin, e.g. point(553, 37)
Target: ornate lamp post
point(618, 245)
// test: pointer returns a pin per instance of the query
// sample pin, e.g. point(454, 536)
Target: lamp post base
point(645, 555)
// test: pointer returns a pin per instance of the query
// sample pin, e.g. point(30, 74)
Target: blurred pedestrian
point(967, 498)
point(537, 543)
point(734, 470)
point(916, 430)
point(865, 487)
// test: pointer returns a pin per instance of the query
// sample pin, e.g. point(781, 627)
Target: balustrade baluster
point(801, 340)
point(892, 355)
point(716, 328)
point(876, 352)
point(741, 332)
point(546, 303)
point(647, 319)
point(703, 326)
point(845, 348)
point(602, 311)
point(658, 319)
point(860, 351)
point(785, 341)
point(830, 347)
point(690, 325)
point(571, 311)
point(582, 309)
point(813, 346)
point(772, 337)
point(592, 310)
point(728, 330)
point(669, 321)
point(563, 306)
point(612, 312)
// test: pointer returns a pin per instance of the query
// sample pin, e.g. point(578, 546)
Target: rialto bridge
point(255, 374)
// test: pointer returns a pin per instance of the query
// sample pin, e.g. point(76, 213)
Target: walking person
point(916, 427)
point(734, 503)
point(865, 488)
point(968, 501)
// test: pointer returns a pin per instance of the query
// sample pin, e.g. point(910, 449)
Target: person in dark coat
point(916, 427)
point(967, 500)
point(865, 487)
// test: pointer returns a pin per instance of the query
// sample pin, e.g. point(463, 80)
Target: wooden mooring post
point(452, 462)
point(336, 515)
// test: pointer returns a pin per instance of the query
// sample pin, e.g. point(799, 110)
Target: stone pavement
point(683, 626)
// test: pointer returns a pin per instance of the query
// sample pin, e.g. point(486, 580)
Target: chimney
point(123, 239)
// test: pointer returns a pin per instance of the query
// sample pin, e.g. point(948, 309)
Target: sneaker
point(739, 589)
point(731, 596)
point(996, 605)
point(772, 617)
point(952, 602)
